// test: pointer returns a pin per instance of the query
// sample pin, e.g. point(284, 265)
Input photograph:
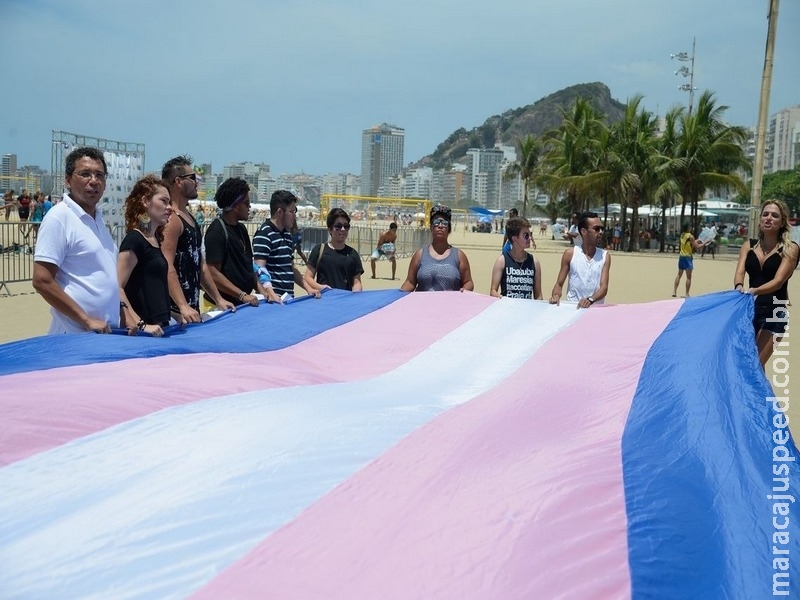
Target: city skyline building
point(8, 166)
point(783, 141)
point(485, 176)
point(382, 153)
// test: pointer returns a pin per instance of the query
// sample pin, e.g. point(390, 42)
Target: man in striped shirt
point(273, 245)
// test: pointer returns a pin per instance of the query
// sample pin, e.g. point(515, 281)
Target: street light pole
point(687, 72)
point(687, 87)
point(763, 111)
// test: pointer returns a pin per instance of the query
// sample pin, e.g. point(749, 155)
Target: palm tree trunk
point(525, 199)
point(665, 202)
point(634, 222)
point(624, 217)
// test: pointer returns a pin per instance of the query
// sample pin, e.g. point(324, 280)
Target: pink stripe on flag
point(517, 494)
point(44, 409)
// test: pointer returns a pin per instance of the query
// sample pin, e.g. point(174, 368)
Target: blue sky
point(293, 83)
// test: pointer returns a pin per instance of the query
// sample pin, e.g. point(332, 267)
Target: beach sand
point(643, 277)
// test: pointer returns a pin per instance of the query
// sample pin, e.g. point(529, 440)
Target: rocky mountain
point(536, 118)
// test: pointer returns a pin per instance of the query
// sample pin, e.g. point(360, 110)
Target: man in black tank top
point(183, 239)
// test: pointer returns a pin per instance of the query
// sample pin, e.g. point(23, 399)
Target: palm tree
point(528, 166)
point(635, 143)
point(573, 149)
point(604, 178)
point(707, 153)
point(668, 188)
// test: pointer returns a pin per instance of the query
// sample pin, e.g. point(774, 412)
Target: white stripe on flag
point(159, 505)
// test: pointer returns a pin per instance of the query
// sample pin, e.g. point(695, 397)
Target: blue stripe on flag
point(698, 460)
point(263, 328)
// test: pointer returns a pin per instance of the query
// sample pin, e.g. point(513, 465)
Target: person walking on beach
point(9, 203)
point(687, 246)
point(574, 233)
point(182, 245)
point(588, 266)
point(386, 247)
point(517, 274)
point(769, 262)
point(75, 263)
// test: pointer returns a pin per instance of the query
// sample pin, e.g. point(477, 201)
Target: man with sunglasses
point(273, 244)
point(587, 265)
point(75, 264)
point(182, 245)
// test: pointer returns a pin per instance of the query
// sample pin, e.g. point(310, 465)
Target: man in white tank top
point(587, 265)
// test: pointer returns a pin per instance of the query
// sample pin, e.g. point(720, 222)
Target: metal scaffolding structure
point(64, 142)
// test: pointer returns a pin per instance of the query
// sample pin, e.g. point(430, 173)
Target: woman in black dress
point(768, 262)
point(141, 267)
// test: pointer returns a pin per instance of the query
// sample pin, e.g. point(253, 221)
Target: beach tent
point(489, 212)
point(675, 211)
point(307, 209)
point(614, 209)
point(429, 460)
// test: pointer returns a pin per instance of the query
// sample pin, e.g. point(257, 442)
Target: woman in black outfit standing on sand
point(141, 267)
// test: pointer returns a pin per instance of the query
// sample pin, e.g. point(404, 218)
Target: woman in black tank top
point(768, 262)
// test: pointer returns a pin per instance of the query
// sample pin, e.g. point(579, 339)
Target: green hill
point(536, 118)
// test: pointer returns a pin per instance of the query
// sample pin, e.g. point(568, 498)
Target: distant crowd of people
point(30, 210)
point(164, 263)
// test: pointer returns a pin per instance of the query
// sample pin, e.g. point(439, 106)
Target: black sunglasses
point(192, 176)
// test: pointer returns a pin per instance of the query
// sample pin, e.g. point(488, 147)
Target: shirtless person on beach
point(386, 248)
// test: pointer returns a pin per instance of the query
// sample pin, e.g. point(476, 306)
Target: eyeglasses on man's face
point(527, 236)
point(340, 226)
point(440, 223)
point(192, 176)
point(87, 175)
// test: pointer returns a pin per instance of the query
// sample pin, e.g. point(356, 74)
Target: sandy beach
point(644, 277)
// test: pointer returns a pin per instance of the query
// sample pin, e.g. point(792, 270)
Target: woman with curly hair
point(141, 267)
point(768, 261)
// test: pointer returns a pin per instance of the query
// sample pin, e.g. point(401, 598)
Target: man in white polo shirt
point(75, 263)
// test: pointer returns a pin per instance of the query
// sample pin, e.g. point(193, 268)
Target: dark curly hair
point(229, 191)
point(144, 189)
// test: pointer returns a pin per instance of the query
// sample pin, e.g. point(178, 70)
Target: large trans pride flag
point(391, 445)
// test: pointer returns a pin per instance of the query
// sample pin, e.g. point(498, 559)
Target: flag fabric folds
point(383, 444)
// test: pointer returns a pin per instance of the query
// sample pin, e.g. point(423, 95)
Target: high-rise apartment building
point(8, 166)
point(381, 158)
point(485, 176)
point(783, 141)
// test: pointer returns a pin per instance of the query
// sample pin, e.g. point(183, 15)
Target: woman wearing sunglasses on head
point(768, 261)
point(517, 274)
point(439, 266)
point(335, 264)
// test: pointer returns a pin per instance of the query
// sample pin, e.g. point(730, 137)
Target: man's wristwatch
point(591, 300)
